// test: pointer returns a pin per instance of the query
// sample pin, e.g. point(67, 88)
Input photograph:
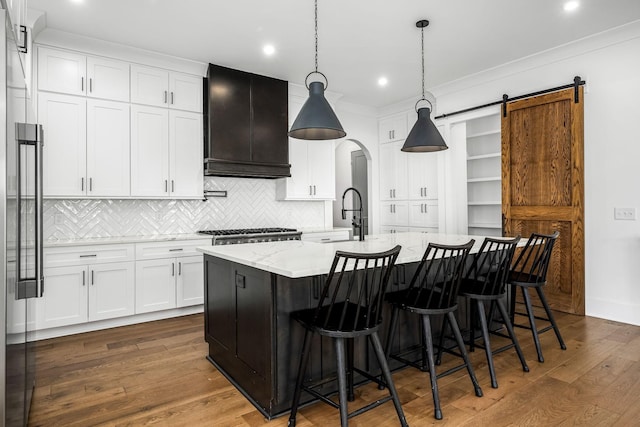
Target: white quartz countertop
point(295, 258)
point(126, 239)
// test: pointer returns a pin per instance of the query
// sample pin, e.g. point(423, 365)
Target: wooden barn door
point(543, 185)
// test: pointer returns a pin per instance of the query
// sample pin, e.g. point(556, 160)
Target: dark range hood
point(245, 124)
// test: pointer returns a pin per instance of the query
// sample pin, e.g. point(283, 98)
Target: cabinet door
point(149, 86)
point(155, 285)
point(64, 118)
point(186, 159)
point(149, 151)
point(393, 128)
point(190, 282)
point(423, 175)
point(423, 214)
point(111, 290)
point(64, 301)
point(393, 171)
point(185, 92)
point(394, 213)
point(321, 165)
point(108, 79)
point(61, 71)
point(108, 166)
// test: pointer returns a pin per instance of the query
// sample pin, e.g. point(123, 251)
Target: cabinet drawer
point(173, 248)
point(327, 236)
point(76, 255)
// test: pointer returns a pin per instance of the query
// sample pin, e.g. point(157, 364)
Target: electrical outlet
point(624, 214)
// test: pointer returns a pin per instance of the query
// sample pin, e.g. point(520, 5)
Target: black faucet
point(355, 224)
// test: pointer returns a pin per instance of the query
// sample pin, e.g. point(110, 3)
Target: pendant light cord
point(316, 20)
point(422, 31)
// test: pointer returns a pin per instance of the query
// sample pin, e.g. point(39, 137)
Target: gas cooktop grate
point(241, 231)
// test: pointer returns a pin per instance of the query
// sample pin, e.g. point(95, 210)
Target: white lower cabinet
point(169, 275)
point(155, 285)
point(81, 293)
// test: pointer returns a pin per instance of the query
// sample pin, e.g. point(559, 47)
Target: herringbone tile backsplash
point(249, 203)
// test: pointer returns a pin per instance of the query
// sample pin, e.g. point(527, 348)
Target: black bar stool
point(433, 291)
point(486, 281)
point(530, 271)
point(354, 289)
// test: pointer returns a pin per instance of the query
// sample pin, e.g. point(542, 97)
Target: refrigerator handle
point(39, 213)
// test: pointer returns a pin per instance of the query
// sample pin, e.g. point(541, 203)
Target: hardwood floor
point(156, 373)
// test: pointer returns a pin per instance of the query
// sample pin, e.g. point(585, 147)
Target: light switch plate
point(624, 214)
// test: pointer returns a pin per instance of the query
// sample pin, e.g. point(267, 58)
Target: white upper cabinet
point(61, 71)
point(185, 154)
point(149, 151)
point(423, 175)
point(393, 128)
point(108, 79)
point(161, 88)
point(393, 171)
point(107, 148)
point(76, 74)
point(185, 92)
point(64, 119)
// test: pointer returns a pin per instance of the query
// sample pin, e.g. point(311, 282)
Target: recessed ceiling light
point(383, 81)
point(269, 49)
point(570, 6)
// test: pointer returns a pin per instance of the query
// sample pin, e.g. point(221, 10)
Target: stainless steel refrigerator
point(21, 230)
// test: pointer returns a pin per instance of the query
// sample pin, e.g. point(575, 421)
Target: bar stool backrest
point(355, 289)
point(532, 263)
point(490, 267)
point(436, 282)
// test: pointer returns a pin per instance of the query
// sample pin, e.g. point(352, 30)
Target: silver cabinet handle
point(166, 186)
point(82, 184)
point(314, 190)
point(176, 250)
point(165, 96)
point(89, 256)
point(83, 278)
point(90, 184)
point(173, 269)
point(91, 277)
point(390, 193)
point(421, 207)
point(425, 208)
point(179, 269)
point(172, 98)
point(90, 85)
point(394, 193)
point(311, 190)
point(421, 191)
point(173, 189)
point(393, 134)
point(389, 134)
point(82, 84)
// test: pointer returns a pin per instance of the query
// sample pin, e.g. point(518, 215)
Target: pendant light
point(424, 137)
point(316, 120)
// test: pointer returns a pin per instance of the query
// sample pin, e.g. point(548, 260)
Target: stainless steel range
point(252, 235)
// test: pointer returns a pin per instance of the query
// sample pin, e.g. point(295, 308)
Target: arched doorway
point(353, 169)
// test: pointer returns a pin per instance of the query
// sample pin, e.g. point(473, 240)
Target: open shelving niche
point(484, 175)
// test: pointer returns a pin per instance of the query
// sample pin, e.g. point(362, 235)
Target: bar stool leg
point(390, 334)
point(487, 343)
point(342, 381)
point(532, 323)
point(302, 368)
point(443, 331)
point(456, 331)
point(512, 334)
point(382, 361)
point(350, 394)
point(543, 299)
point(432, 367)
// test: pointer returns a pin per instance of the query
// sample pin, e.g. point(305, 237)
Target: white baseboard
point(613, 310)
point(44, 334)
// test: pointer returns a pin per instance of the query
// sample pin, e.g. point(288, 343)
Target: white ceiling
point(359, 40)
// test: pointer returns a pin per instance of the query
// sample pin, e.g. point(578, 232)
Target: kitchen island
point(251, 290)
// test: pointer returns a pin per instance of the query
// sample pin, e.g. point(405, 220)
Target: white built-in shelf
point(479, 134)
point(485, 225)
point(484, 156)
point(487, 203)
point(485, 179)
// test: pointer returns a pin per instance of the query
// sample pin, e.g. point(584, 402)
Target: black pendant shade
point(316, 120)
point(424, 136)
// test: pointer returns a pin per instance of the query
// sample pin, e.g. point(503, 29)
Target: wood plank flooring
point(156, 374)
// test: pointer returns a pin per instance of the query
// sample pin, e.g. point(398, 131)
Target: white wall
point(343, 179)
point(610, 63)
